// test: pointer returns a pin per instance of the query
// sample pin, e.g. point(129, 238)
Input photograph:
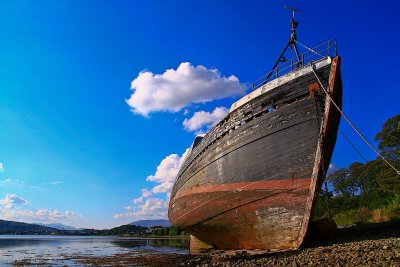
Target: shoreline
point(90, 236)
point(365, 245)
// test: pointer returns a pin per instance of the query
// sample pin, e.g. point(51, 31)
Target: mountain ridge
point(11, 227)
point(58, 226)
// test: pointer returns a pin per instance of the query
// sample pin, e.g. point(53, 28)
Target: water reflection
point(62, 250)
point(178, 243)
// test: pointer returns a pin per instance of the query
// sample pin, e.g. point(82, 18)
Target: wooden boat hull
point(252, 181)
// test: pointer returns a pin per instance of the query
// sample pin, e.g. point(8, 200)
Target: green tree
point(165, 231)
point(342, 182)
point(173, 231)
point(388, 180)
point(355, 175)
point(389, 144)
point(389, 138)
point(368, 176)
point(159, 231)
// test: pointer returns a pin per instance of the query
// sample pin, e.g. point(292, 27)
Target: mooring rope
point(353, 146)
point(283, 190)
point(328, 206)
point(351, 124)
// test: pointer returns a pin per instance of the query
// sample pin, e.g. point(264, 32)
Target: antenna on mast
point(293, 22)
point(291, 43)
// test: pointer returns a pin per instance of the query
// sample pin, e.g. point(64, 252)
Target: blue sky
point(76, 147)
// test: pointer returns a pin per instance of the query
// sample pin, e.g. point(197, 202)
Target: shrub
point(392, 210)
point(361, 215)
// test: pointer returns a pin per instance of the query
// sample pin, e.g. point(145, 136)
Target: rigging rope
point(309, 49)
point(328, 207)
point(355, 148)
point(326, 191)
point(351, 124)
point(283, 190)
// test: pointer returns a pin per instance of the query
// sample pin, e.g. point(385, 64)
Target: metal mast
point(292, 41)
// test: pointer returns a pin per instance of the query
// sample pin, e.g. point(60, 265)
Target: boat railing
point(318, 52)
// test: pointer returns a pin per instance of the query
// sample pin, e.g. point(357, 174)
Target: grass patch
point(355, 216)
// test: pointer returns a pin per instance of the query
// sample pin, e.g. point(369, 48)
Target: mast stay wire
point(351, 124)
point(309, 49)
point(292, 42)
point(344, 135)
point(353, 146)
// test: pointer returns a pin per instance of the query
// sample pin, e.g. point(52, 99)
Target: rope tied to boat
point(350, 123)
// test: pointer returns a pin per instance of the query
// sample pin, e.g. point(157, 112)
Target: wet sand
point(119, 259)
point(87, 251)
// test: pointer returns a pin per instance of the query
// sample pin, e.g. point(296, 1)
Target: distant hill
point(150, 223)
point(125, 229)
point(58, 226)
point(135, 228)
point(11, 227)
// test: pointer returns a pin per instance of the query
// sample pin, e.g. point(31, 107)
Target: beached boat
point(252, 180)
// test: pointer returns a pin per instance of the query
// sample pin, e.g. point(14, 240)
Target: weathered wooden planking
point(252, 180)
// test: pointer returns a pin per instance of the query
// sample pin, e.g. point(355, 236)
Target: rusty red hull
point(251, 182)
point(242, 217)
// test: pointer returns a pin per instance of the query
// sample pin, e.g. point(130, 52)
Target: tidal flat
point(375, 244)
point(44, 250)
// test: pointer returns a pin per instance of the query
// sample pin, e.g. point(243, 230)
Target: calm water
point(62, 250)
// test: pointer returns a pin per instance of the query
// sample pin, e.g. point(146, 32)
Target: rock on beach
point(371, 245)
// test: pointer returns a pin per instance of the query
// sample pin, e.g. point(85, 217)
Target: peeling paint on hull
point(251, 214)
point(252, 181)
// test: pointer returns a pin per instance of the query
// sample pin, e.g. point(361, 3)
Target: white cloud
point(152, 208)
point(41, 215)
point(56, 183)
point(9, 182)
point(166, 172)
point(12, 182)
point(121, 215)
point(331, 169)
point(1, 167)
point(153, 204)
point(203, 118)
point(145, 194)
point(175, 89)
point(155, 207)
point(138, 200)
point(165, 187)
point(10, 209)
point(12, 199)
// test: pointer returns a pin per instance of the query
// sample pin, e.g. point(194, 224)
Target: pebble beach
point(366, 245)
